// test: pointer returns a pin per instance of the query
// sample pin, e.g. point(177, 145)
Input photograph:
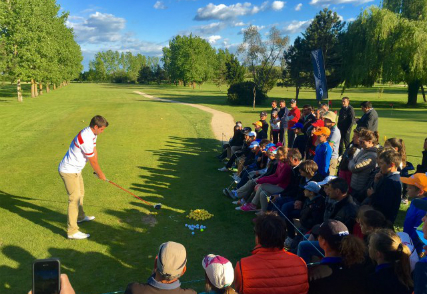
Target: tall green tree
point(387, 46)
point(261, 56)
point(235, 71)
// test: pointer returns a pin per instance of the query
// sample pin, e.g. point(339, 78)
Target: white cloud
point(351, 19)
point(296, 26)
point(278, 5)
point(240, 24)
point(98, 27)
point(329, 2)
point(224, 12)
point(159, 5)
point(213, 39)
point(242, 30)
point(298, 7)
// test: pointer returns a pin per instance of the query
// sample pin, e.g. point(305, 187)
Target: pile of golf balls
point(196, 227)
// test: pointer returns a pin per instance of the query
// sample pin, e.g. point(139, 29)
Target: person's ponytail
point(402, 265)
point(352, 250)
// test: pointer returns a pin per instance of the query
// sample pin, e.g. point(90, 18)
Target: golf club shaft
point(146, 202)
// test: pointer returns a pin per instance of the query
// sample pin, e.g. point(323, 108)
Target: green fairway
point(162, 152)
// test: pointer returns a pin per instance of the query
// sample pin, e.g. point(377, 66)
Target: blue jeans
point(307, 249)
point(290, 212)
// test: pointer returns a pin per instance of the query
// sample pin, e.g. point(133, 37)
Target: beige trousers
point(333, 167)
point(76, 192)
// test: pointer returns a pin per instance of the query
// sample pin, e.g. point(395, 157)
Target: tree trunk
point(36, 91)
point(33, 95)
point(54, 86)
point(18, 89)
point(424, 93)
point(413, 88)
point(297, 93)
point(253, 105)
point(41, 88)
point(47, 88)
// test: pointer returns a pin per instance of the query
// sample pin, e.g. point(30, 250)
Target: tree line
point(386, 44)
point(36, 46)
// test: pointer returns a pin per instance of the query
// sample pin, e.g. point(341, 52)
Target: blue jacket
point(323, 158)
point(387, 196)
point(412, 221)
point(420, 277)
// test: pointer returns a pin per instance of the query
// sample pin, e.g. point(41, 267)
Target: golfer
point(82, 149)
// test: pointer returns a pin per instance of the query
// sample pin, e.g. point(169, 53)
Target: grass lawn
point(162, 152)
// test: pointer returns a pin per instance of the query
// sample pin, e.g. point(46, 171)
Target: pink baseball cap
point(219, 270)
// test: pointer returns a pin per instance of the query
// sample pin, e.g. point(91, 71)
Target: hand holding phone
point(66, 287)
point(46, 276)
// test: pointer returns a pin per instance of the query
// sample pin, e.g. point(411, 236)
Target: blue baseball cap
point(254, 144)
point(297, 126)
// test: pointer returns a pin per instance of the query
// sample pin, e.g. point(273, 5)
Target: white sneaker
point(223, 169)
point(235, 202)
point(288, 242)
point(86, 219)
point(238, 208)
point(78, 236)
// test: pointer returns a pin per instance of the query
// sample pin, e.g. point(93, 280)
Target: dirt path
point(222, 123)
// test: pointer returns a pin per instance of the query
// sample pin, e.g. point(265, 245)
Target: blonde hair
point(390, 246)
point(282, 153)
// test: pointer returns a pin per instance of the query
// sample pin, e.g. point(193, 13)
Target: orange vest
point(271, 271)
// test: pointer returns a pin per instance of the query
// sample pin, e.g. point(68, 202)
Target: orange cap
point(418, 180)
point(322, 131)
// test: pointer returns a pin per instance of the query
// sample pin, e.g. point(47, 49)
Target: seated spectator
point(260, 132)
point(219, 275)
point(341, 270)
point(249, 138)
point(340, 206)
point(170, 265)
point(236, 142)
point(323, 150)
point(372, 220)
point(417, 189)
point(422, 168)
point(300, 141)
point(270, 269)
point(243, 192)
point(363, 163)
point(275, 126)
point(387, 191)
point(393, 271)
point(273, 184)
point(420, 273)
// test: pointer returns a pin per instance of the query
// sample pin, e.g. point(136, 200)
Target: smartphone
point(46, 276)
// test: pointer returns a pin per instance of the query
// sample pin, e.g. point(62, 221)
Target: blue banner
point(319, 74)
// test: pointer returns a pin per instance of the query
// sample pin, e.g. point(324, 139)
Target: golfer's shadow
point(39, 215)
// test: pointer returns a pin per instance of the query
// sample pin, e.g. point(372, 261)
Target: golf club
point(156, 206)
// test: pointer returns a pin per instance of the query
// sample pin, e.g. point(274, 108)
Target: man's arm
point(94, 163)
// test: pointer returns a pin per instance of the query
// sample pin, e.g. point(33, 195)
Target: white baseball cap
point(219, 270)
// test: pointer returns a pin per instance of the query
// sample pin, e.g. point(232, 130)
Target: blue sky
point(145, 26)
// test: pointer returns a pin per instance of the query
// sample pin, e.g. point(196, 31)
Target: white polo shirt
point(81, 148)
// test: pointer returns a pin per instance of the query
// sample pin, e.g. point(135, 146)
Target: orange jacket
point(271, 271)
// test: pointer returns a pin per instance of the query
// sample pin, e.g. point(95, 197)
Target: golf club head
point(158, 206)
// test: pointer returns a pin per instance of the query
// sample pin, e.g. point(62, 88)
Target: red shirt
point(296, 113)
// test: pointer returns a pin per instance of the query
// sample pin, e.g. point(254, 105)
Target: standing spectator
point(293, 117)
point(363, 163)
point(346, 120)
point(422, 168)
point(342, 270)
point(307, 117)
point(270, 269)
point(334, 139)
point(417, 189)
point(393, 272)
point(351, 150)
point(369, 120)
point(260, 131)
point(300, 141)
point(386, 194)
point(170, 265)
point(219, 275)
point(283, 115)
point(275, 127)
point(273, 108)
point(323, 150)
point(263, 119)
